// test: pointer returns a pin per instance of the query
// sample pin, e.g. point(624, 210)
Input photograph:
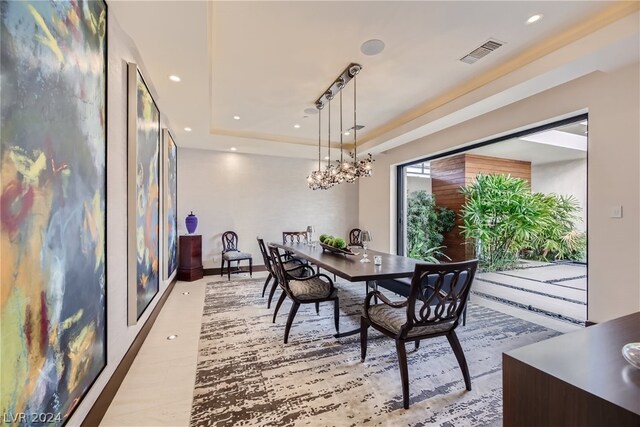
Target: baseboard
point(216, 271)
point(102, 403)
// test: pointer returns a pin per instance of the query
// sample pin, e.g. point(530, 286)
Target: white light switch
point(616, 211)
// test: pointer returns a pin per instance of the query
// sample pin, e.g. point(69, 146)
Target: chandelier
point(341, 170)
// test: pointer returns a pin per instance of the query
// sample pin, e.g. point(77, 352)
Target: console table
point(576, 379)
point(190, 265)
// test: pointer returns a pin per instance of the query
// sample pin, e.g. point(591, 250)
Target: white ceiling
point(268, 61)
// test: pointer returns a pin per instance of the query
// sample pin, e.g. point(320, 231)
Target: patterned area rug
point(246, 376)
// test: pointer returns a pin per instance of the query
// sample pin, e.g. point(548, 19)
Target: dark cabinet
point(190, 266)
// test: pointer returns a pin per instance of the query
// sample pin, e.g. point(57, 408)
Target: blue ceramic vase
point(191, 221)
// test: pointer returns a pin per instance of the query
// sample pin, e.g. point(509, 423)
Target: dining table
point(349, 267)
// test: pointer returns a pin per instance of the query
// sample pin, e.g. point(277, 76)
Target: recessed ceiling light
point(311, 110)
point(172, 337)
point(296, 126)
point(185, 293)
point(372, 47)
point(534, 18)
point(326, 157)
point(174, 78)
point(347, 133)
point(187, 129)
point(233, 149)
point(236, 117)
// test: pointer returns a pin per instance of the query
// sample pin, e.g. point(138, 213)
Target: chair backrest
point(278, 267)
point(439, 293)
point(265, 256)
point(229, 241)
point(355, 238)
point(294, 237)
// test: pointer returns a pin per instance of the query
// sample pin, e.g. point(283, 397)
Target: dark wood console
point(576, 379)
point(190, 265)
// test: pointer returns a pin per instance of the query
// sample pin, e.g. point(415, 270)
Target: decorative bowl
point(336, 250)
point(631, 353)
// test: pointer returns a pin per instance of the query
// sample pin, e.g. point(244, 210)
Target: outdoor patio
point(555, 290)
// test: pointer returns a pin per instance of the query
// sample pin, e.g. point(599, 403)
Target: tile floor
point(146, 398)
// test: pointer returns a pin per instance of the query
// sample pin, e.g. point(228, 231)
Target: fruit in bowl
point(339, 243)
point(323, 237)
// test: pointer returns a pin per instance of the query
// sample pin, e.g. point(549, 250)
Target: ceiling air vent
point(481, 51)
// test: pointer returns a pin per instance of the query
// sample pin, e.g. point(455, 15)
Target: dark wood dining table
point(351, 269)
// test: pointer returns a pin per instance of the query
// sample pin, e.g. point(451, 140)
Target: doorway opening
point(517, 203)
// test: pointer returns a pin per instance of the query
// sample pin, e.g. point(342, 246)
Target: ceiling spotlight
point(187, 129)
point(347, 133)
point(372, 47)
point(296, 126)
point(534, 18)
point(326, 157)
point(185, 293)
point(172, 337)
point(236, 117)
point(233, 149)
point(174, 78)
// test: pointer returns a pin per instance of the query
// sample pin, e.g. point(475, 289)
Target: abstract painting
point(53, 207)
point(144, 193)
point(171, 202)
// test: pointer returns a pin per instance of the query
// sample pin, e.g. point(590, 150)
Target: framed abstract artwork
point(170, 201)
point(53, 142)
point(143, 198)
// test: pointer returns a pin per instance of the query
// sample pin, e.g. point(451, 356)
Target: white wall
point(563, 178)
point(256, 196)
point(119, 335)
point(612, 100)
point(416, 183)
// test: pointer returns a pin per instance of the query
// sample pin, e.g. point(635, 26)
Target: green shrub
point(506, 221)
point(426, 225)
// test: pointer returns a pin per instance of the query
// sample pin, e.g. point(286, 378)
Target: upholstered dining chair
point(294, 266)
point(354, 237)
point(230, 253)
point(294, 237)
point(303, 290)
point(437, 298)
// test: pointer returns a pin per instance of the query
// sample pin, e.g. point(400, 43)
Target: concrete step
point(550, 289)
point(551, 306)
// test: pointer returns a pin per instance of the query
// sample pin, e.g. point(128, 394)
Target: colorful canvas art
point(53, 207)
point(144, 147)
point(171, 203)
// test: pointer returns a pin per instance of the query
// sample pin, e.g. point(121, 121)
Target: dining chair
point(303, 290)
point(294, 266)
point(354, 237)
point(230, 253)
point(437, 298)
point(294, 237)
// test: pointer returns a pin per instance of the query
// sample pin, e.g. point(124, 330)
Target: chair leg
point(317, 308)
point(417, 344)
point(292, 314)
point(336, 315)
point(274, 286)
point(221, 267)
point(266, 283)
point(280, 301)
point(462, 361)
point(250, 267)
point(228, 270)
point(404, 372)
point(464, 317)
point(364, 329)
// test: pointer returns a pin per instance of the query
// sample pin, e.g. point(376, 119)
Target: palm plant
point(505, 219)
